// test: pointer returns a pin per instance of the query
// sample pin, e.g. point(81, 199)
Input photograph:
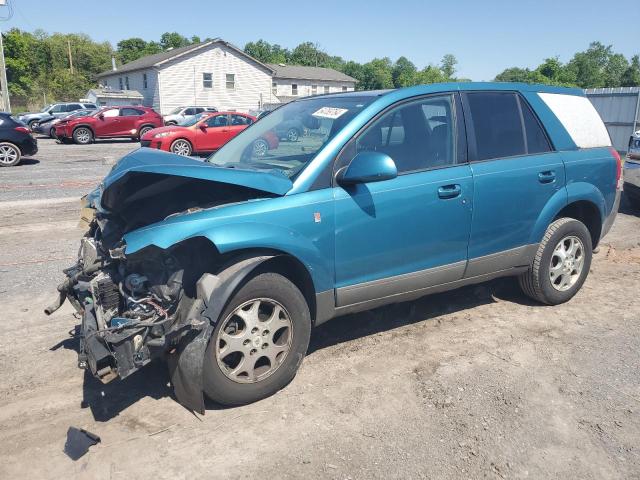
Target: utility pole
point(3, 79)
point(70, 59)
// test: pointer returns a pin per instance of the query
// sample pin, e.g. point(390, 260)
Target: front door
point(108, 123)
point(216, 132)
point(515, 174)
point(410, 232)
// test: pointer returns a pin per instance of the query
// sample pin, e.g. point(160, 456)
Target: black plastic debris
point(78, 442)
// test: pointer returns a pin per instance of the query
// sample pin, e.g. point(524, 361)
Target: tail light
point(22, 129)
point(616, 155)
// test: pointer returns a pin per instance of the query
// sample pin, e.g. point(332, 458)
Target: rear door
point(129, 119)
point(515, 173)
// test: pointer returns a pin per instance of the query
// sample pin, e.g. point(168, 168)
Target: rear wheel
point(144, 130)
point(258, 343)
point(33, 124)
point(561, 264)
point(181, 147)
point(9, 154)
point(82, 136)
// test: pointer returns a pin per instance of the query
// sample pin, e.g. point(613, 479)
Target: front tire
point(82, 136)
point(181, 147)
point(33, 124)
point(52, 133)
point(561, 264)
point(9, 154)
point(293, 134)
point(258, 343)
point(144, 130)
point(260, 147)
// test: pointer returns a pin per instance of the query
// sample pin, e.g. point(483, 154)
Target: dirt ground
point(475, 383)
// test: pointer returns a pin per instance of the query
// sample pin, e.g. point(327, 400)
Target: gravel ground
point(475, 383)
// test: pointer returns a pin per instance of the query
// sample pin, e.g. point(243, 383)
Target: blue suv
point(224, 266)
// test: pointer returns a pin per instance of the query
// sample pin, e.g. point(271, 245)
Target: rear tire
point(286, 340)
point(33, 124)
point(9, 154)
point(181, 147)
point(82, 136)
point(561, 264)
point(144, 130)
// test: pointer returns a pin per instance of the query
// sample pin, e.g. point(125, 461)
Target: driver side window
point(417, 135)
point(57, 109)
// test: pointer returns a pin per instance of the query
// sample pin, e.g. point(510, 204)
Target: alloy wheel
point(292, 135)
point(8, 154)
point(260, 148)
point(254, 340)
point(181, 147)
point(567, 262)
point(83, 135)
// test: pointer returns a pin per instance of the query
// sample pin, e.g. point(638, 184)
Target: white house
point(293, 81)
point(213, 73)
point(108, 97)
point(217, 74)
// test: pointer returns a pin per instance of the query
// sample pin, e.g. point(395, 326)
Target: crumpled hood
point(150, 161)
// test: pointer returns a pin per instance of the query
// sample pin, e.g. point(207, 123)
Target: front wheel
point(293, 134)
point(52, 133)
point(258, 343)
point(181, 147)
point(260, 147)
point(9, 154)
point(33, 124)
point(561, 264)
point(82, 136)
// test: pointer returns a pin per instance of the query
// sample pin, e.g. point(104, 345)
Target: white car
point(180, 114)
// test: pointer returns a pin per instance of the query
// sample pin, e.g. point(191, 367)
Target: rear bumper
point(608, 222)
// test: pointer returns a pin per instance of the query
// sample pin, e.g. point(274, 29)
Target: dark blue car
point(225, 266)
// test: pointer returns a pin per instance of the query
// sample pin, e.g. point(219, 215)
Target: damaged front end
point(154, 302)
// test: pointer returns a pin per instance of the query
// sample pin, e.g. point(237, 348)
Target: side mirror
point(368, 167)
point(204, 126)
point(101, 116)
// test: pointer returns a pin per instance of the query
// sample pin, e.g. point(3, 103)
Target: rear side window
point(130, 112)
point(503, 126)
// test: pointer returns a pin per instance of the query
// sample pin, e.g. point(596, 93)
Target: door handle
point(548, 176)
point(449, 191)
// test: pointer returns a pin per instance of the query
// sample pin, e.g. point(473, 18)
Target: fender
point(573, 192)
point(187, 362)
point(238, 236)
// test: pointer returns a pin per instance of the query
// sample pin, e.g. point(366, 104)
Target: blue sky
point(485, 36)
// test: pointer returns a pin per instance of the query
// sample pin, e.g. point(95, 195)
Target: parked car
point(205, 133)
point(224, 267)
point(47, 125)
point(181, 114)
point(632, 170)
point(110, 122)
point(15, 141)
point(57, 110)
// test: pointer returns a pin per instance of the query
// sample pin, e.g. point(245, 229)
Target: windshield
point(46, 108)
point(192, 120)
point(175, 111)
point(290, 137)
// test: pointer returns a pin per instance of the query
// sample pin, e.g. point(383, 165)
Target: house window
point(314, 89)
point(120, 83)
point(326, 89)
point(126, 82)
point(231, 81)
point(344, 89)
point(207, 80)
point(144, 81)
point(274, 88)
point(294, 89)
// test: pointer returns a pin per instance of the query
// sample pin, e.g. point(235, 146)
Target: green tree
point(173, 40)
point(404, 73)
point(132, 49)
point(377, 74)
point(631, 76)
point(448, 66)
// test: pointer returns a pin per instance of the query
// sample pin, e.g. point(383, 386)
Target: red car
point(109, 122)
point(206, 133)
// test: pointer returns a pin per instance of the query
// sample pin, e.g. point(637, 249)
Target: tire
point(293, 135)
point(260, 147)
point(549, 279)
point(287, 343)
point(168, 124)
point(9, 154)
point(82, 136)
point(143, 130)
point(181, 147)
point(33, 124)
point(52, 133)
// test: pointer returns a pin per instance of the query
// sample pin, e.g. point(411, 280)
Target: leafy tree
point(448, 66)
point(173, 40)
point(132, 49)
point(308, 54)
point(404, 73)
point(631, 76)
point(377, 74)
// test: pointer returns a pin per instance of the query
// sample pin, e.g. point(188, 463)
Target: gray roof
point(158, 58)
point(309, 73)
point(110, 93)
